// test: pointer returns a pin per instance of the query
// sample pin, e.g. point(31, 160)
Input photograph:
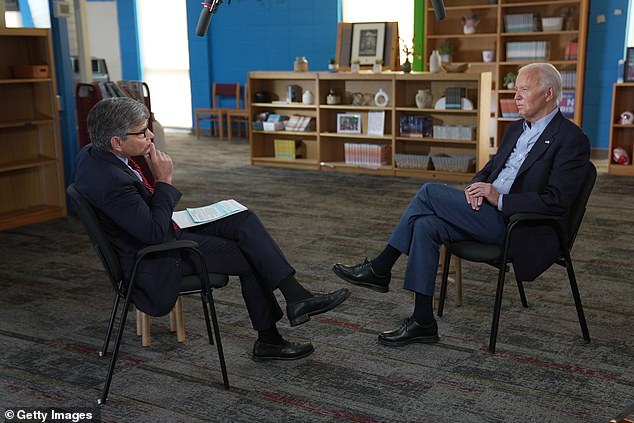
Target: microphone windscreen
point(439, 9)
point(203, 21)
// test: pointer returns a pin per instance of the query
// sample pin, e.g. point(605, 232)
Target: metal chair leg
point(113, 314)
point(496, 310)
point(520, 288)
point(576, 296)
point(221, 355)
point(115, 353)
point(207, 323)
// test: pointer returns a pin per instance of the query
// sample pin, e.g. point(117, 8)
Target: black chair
point(199, 284)
point(500, 255)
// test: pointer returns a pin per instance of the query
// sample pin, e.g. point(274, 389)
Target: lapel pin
point(547, 142)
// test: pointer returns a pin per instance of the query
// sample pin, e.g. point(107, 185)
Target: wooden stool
point(177, 324)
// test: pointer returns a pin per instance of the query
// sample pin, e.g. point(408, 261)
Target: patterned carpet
point(56, 302)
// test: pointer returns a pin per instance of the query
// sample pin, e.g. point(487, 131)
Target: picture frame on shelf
point(376, 123)
point(628, 68)
point(348, 123)
point(368, 42)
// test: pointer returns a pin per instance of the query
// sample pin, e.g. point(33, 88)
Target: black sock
point(292, 290)
point(382, 264)
point(423, 310)
point(270, 336)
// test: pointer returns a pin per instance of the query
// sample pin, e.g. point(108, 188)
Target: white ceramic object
point(381, 98)
point(308, 97)
point(423, 99)
point(434, 62)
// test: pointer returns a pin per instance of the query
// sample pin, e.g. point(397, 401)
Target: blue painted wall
point(250, 35)
point(129, 44)
point(605, 47)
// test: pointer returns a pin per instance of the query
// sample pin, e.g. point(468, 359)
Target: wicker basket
point(412, 161)
point(454, 163)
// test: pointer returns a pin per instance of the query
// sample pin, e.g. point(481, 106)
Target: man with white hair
point(538, 168)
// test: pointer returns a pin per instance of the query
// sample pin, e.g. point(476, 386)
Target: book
point(205, 214)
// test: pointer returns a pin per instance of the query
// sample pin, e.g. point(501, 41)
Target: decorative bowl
point(454, 67)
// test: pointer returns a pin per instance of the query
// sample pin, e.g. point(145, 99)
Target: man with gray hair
point(538, 168)
point(135, 214)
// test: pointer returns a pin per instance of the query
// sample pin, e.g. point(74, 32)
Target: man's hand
point(479, 191)
point(160, 164)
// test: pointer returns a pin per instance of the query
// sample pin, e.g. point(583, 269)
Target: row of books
point(568, 79)
point(366, 155)
point(415, 126)
point(527, 50)
point(288, 149)
point(567, 105)
point(276, 122)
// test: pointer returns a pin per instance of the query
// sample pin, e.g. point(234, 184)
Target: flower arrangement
point(509, 80)
point(469, 23)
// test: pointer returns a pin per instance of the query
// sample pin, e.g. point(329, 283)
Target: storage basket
point(555, 23)
point(448, 163)
point(29, 71)
point(412, 161)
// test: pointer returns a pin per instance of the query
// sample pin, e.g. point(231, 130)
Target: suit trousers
point(240, 245)
point(438, 214)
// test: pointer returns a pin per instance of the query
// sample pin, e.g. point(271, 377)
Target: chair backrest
point(98, 238)
point(220, 91)
point(578, 208)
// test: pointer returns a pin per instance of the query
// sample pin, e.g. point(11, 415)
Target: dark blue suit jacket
point(547, 182)
point(133, 218)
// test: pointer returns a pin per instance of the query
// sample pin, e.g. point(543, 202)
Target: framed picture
point(368, 41)
point(628, 69)
point(348, 123)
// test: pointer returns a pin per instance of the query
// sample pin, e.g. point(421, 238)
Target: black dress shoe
point(301, 311)
point(409, 332)
point(363, 275)
point(286, 351)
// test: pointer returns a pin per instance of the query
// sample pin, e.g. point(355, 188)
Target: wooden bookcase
point(324, 147)
point(31, 168)
point(491, 34)
point(622, 135)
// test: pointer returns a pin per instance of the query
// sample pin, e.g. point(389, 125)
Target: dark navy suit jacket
point(133, 218)
point(547, 183)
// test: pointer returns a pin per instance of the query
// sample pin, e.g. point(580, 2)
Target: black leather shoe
point(409, 332)
point(301, 311)
point(363, 275)
point(287, 351)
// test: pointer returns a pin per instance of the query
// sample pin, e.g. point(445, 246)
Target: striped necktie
point(137, 169)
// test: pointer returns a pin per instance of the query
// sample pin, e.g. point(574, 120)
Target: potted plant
point(377, 67)
point(332, 65)
point(355, 65)
point(446, 52)
point(509, 80)
point(409, 51)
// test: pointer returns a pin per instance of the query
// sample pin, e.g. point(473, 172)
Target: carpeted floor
point(56, 302)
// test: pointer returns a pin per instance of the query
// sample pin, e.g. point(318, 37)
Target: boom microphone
point(209, 8)
point(439, 9)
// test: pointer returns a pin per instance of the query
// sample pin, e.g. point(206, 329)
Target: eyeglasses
point(142, 132)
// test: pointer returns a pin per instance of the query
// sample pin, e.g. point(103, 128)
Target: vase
point(300, 64)
point(307, 98)
point(434, 62)
point(406, 66)
point(333, 67)
point(423, 99)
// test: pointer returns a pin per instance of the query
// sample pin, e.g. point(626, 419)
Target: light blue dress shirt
point(525, 142)
point(127, 163)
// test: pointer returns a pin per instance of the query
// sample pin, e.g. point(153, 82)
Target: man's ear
point(550, 94)
point(116, 144)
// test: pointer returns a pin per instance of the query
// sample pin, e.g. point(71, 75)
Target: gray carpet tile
point(56, 302)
